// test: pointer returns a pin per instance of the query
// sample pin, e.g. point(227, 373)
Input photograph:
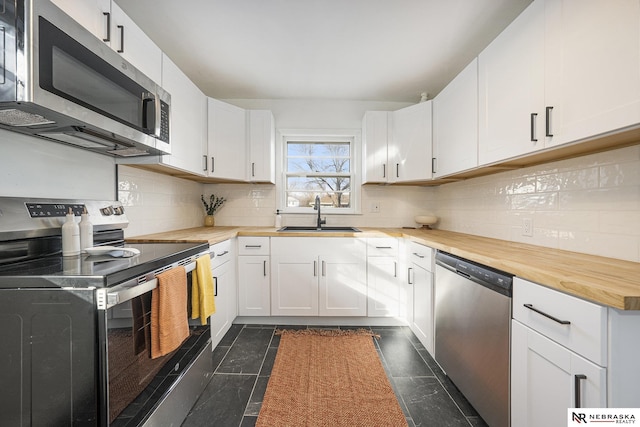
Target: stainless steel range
point(74, 330)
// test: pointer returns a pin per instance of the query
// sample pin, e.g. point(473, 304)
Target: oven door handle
point(109, 297)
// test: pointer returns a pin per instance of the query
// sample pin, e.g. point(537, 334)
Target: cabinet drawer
point(220, 253)
point(382, 246)
point(420, 255)
point(577, 324)
point(248, 245)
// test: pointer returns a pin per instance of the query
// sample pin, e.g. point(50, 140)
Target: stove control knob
point(107, 211)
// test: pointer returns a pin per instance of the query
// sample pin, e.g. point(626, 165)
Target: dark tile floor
point(244, 359)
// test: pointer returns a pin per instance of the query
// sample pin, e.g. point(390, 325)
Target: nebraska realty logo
point(581, 416)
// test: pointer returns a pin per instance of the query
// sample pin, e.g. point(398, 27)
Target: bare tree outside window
point(318, 169)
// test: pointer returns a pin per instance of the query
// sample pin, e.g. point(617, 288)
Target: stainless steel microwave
point(59, 81)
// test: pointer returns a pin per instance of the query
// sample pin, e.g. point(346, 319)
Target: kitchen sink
point(304, 228)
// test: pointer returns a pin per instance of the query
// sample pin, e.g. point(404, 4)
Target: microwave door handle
point(147, 99)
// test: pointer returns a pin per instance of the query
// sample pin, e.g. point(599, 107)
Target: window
point(317, 164)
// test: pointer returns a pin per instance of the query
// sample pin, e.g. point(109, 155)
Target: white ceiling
point(372, 50)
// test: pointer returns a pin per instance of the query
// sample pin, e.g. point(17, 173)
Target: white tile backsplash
point(589, 204)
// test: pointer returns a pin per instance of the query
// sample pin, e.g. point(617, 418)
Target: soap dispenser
point(86, 231)
point(70, 236)
point(278, 219)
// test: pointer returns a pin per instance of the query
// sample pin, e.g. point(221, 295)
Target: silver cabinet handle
point(205, 166)
point(253, 169)
point(223, 253)
point(215, 286)
point(384, 170)
point(108, 37)
point(264, 268)
point(252, 246)
point(555, 319)
point(315, 268)
point(212, 164)
point(121, 28)
point(397, 170)
point(409, 276)
point(395, 269)
point(548, 121)
point(534, 116)
point(324, 269)
point(418, 255)
point(383, 247)
point(434, 163)
point(576, 384)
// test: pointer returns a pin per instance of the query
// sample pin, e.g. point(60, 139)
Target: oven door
point(127, 369)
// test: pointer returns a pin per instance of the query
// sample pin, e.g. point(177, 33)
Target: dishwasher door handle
point(555, 319)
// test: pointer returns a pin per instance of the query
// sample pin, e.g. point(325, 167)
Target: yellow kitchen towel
point(203, 304)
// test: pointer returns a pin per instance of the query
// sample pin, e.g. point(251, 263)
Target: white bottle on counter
point(86, 231)
point(278, 219)
point(70, 236)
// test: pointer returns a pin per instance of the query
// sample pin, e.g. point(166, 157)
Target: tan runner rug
point(329, 378)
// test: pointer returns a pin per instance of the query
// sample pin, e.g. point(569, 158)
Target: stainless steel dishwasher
point(472, 333)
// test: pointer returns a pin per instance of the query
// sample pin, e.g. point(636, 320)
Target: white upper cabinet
point(592, 67)
point(375, 136)
point(562, 72)
point(134, 45)
point(409, 150)
point(226, 141)
point(455, 124)
point(511, 89)
point(397, 145)
point(188, 127)
point(261, 146)
point(108, 22)
point(94, 15)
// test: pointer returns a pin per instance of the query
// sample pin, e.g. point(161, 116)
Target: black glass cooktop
point(99, 271)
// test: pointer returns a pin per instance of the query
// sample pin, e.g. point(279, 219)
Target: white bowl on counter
point(425, 221)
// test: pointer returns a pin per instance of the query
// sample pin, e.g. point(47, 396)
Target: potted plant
point(211, 208)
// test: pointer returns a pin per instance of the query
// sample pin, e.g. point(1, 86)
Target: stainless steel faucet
point(316, 207)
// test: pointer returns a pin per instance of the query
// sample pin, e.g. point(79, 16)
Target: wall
point(155, 203)
point(589, 204)
point(34, 167)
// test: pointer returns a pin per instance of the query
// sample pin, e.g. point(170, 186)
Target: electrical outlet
point(375, 207)
point(527, 227)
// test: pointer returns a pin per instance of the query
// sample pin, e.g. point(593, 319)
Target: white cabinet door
point(261, 145)
point(343, 277)
point(134, 45)
point(254, 292)
point(188, 125)
point(375, 137)
point(422, 320)
point(592, 67)
point(94, 15)
point(226, 140)
point(383, 287)
point(544, 377)
point(455, 124)
point(225, 299)
point(409, 151)
point(511, 89)
point(318, 276)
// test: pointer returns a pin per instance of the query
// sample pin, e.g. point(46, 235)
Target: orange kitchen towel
point(169, 318)
point(203, 303)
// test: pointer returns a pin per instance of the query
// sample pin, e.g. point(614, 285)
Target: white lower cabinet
point(254, 290)
point(318, 277)
point(547, 378)
point(383, 286)
point(420, 280)
point(223, 270)
point(567, 352)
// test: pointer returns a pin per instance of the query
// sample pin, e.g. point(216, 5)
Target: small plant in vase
point(215, 203)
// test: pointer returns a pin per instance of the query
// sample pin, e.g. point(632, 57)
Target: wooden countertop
point(607, 281)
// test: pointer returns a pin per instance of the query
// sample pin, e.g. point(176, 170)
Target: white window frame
point(319, 135)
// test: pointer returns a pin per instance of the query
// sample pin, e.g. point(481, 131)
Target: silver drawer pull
point(222, 253)
point(576, 384)
point(555, 319)
point(418, 255)
point(383, 247)
point(252, 246)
